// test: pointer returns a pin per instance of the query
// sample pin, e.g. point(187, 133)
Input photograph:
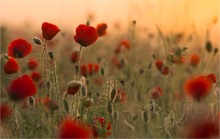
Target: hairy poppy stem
point(78, 60)
point(42, 65)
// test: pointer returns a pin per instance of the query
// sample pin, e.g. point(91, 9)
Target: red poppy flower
point(85, 35)
point(204, 129)
point(101, 29)
point(101, 128)
point(212, 77)
point(121, 96)
point(32, 64)
point(49, 31)
point(19, 48)
point(74, 56)
point(11, 66)
point(5, 112)
point(21, 88)
point(36, 76)
point(73, 87)
point(96, 68)
point(197, 87)
point(179, 60)
point(194, 60)
point(50, 104)
point(122, 44)
point(160, 66)
point(72, 129)
point(156, 92)
point(125, 43)
point(89, 69)
point(83, 70)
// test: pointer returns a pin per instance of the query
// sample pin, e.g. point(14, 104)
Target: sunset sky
point(170, 15)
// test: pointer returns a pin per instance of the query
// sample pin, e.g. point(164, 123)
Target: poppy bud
point(113, 94)
point(31, 101)
point(134, 117)
point(66, 105)
point(102, 71)
point(48, 86)
point(6, 56)
point(109, 107)
point(37, 40)
point(145, 117)
point(116, 116)
point(84, 91)
point(51, 55)
point(73, 87)
point(208, 46)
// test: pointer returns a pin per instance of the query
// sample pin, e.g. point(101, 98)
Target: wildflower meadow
point(89, 82)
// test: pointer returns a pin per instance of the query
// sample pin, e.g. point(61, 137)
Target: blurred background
point(170, 15)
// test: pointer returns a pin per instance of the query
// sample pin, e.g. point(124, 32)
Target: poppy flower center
point(18, 54)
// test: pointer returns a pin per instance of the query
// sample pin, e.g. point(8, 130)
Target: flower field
point(89, 83)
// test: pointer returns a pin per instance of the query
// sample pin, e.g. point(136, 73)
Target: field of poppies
point(88, 83)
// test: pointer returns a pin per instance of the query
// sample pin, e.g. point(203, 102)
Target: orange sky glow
point(170, 15)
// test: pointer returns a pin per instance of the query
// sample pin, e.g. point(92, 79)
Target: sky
point(170, 15)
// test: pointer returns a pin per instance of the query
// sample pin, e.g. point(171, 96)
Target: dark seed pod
point(51, 55)
point(215, 51)
point(208, 46)
point(141, 71)
point(134, 22)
